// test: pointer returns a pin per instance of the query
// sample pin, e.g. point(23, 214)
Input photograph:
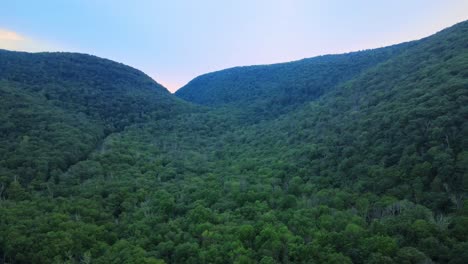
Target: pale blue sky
point(174, 41)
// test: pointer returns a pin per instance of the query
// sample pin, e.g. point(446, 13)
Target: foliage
point(270, 90)
point(372, 170)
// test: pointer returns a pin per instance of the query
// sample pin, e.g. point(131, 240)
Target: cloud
point(6, 35)
point(12, 40)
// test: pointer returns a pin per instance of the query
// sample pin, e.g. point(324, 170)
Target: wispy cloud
point(12, 40)
point(6, 35)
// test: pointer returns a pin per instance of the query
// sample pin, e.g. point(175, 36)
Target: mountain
point(353, 158)
point(274, 89)
point(96, 87)
point(396, 129)
point(58, 107)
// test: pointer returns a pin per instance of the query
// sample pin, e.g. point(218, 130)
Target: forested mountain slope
point(398, 129)
point(405, 117)
point(57, 108)
point(374, 170)
point(270, 90)
point(99, 88)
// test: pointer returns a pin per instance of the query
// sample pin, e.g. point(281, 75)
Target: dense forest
point(271, 90)
point(353, 158)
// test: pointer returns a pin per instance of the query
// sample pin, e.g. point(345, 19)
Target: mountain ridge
point(236, 88)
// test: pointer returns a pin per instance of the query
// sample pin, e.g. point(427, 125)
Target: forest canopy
point(351, 158)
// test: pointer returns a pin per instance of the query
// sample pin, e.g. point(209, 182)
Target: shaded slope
point(57, 107)
point(97, 87)
point(276, 88)
point(39, 139)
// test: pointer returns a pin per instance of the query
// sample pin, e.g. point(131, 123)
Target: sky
point(175, 41)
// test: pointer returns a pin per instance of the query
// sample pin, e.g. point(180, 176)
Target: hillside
point(58, 107)
point(398, 129)
point(270, 90)
point(364, 163)
point(99, 88)
point(382, 158)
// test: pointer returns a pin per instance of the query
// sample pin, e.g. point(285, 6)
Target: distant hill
point(93, 86)
point(56, 107)
point(277, 88)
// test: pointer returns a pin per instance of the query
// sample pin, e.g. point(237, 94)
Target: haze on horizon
point(175, 41)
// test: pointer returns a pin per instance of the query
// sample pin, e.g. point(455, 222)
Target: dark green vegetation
point(99, 164)
point(58, 107)
point(270, 90)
